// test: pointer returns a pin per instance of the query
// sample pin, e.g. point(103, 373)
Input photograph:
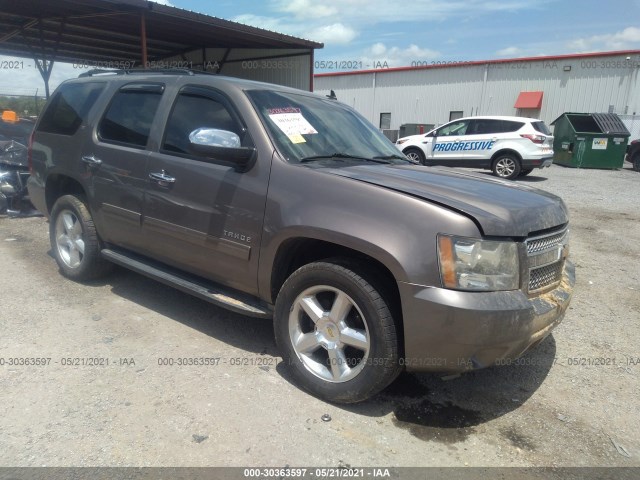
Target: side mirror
point(222, 147)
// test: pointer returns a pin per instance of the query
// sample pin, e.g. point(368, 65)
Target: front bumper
point(452, 331)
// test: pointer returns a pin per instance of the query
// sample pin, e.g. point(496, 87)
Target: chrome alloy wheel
point(329, 334)
point(69, 239)
point(505, 167)
point(413, 156)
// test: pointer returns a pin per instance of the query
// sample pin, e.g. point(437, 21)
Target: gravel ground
point(573, 401)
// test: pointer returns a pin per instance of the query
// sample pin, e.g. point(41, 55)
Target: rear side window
point(130, 115)
point(511, 126)
point(541, 127)
point(484, 126)
point(69, 107)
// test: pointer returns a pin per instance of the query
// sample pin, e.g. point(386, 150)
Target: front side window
point(454, 128)
point(130, 115)
point(191, 112)
point(306, 127)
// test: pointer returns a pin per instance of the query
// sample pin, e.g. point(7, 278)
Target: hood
point(500, 207)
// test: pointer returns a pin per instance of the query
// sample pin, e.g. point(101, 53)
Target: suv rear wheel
point(636, 162)
point(336, 332)
point(74, 240)
point(506, 166)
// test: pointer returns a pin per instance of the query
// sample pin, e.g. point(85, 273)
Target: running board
point(229, 299)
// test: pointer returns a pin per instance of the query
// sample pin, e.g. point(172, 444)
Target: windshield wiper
point(342, 155)
point(392, 157)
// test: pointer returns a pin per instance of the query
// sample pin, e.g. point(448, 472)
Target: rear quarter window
point(541, 127)
point(69, 107)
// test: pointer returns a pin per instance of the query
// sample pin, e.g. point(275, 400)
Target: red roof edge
point(483, 62)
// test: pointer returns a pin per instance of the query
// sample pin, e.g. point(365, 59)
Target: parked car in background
point(17, 130)
point(14, 168)
point(509, 146)
point(633, 154)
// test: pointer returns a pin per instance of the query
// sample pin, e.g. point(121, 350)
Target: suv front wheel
point(336, 332)
point(506, 166)
point(74, 240)
point(416, 155)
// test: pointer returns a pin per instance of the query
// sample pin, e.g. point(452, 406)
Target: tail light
point(539, 139)
point(30, 152)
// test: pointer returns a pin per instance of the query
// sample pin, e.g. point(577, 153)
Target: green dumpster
point(589, 140)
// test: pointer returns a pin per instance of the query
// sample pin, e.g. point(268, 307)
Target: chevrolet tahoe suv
point(508, 146)
point(285, 205)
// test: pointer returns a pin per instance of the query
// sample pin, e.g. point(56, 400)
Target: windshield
point(307, 128)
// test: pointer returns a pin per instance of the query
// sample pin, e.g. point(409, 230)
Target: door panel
point(446, 146)
point(116, 162)
point(199, 216)
point(481, 136)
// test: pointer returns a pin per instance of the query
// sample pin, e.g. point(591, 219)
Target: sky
point(383, 33)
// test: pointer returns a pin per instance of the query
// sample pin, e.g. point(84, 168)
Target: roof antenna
point(332, 95)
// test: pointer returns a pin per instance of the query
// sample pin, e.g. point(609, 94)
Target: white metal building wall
point(593, 84)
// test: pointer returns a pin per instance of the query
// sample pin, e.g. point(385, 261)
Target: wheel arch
point(418, 149)
point(58, 185)
point(296, 252)
point(504, 151)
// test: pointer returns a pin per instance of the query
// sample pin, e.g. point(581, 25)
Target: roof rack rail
point(158, 71)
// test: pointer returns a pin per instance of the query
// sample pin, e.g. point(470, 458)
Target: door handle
point(92, 160)
point(162, 178)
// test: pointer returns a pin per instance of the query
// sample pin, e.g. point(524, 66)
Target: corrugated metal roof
point(110, 30)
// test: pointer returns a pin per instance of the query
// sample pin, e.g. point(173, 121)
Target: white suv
point(509, 146)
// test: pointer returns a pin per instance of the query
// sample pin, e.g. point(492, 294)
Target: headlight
point(400, 141)
point(478, 265)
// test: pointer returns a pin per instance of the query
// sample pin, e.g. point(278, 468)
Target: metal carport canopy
point(139, 31)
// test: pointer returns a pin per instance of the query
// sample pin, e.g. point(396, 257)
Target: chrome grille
point(538, 244)
point(545, 276)
point(546, 259)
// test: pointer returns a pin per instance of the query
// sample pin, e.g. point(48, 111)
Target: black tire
point(415, 154)
point(74, 240)
point(525, 172)
point(366, 316)
point(506, 166)
point(635, 160)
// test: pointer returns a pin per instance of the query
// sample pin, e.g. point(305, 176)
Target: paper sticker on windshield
point(291, 122)
point(297, 138)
